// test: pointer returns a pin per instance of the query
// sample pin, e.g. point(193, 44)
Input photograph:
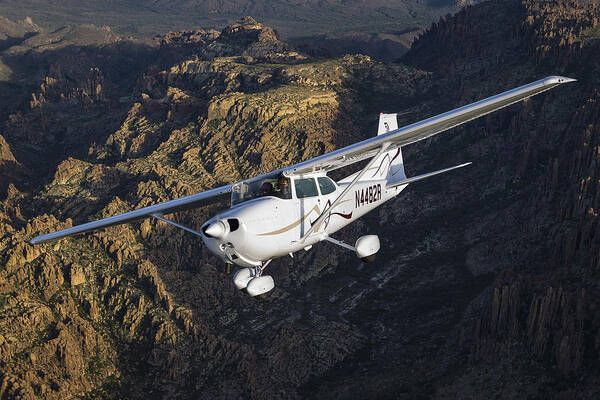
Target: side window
point(326, 185)
point(305, 188)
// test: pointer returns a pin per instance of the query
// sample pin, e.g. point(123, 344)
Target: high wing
point(336, 159)
point(187, 202)
point(423, 129)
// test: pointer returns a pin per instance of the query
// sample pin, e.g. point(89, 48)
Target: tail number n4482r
point(368, 195)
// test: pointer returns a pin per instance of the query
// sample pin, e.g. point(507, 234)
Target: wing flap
point(424, 129)
point(184, 203)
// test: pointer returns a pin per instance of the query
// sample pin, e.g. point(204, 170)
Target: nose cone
point(216, 229)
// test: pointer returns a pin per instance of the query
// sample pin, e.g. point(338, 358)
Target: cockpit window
point(275, 185)
point(305, 188)
point(326, 185)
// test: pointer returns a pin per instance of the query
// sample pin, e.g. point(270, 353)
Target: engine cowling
point(367, 247)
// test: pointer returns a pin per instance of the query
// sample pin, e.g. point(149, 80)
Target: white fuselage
point(269, 227)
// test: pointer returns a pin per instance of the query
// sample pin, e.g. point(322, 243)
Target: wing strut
point(340, 243)
point(175, 224)
point(325, 212)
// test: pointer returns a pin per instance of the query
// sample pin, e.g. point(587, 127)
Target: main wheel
point(260, 285)
point(242, 277)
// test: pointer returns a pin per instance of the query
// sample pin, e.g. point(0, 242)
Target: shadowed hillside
point(289, 17)
point(381, 28)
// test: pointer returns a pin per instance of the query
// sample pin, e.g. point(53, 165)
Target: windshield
point(275, 185)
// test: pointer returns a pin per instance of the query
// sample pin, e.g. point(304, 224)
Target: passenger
point(266, 189)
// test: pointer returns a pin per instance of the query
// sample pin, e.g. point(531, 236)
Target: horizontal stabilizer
point(424, 176)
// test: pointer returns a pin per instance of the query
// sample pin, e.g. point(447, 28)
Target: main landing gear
point(253, 280)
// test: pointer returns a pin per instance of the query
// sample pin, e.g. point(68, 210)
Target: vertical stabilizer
point(387, 123)
point(390, 165)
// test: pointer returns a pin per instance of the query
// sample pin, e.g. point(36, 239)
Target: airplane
point(284, 211)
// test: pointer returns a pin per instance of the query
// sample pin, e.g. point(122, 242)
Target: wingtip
point(39, 240)
point(554, 80)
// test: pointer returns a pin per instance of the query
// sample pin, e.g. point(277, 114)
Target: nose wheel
point(253, 280)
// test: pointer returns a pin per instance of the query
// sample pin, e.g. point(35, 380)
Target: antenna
point(262, 155)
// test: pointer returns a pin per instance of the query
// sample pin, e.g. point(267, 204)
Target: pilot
point(284, 187)
point(266, 189)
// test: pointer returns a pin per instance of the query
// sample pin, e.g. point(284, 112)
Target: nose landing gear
point(253, 280)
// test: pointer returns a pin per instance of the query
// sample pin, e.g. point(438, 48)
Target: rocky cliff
point(144, 303)
point(543, 304)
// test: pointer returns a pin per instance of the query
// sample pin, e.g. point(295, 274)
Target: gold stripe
point(292, 225)
point(298, 222)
